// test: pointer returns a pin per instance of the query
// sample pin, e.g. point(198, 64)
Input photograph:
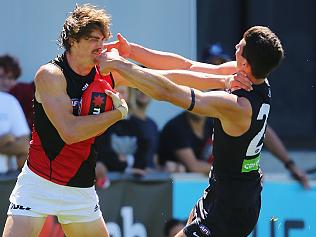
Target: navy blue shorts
point(214, 218)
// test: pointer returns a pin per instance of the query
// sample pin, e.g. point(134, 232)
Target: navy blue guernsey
point(49, 156)
point(236, 172)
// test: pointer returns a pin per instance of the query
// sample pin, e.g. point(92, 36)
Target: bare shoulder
point(244, 105)
point(48, 73)
point(49, 80)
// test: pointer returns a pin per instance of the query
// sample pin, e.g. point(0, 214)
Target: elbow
point(68, 136)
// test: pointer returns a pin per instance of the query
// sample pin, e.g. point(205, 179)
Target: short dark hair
point(263, 50)
point(81, 22)
point(11, 66)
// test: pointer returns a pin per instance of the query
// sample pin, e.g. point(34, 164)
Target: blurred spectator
point(214, 54)
point(119, 149)
point(186, 144)
point(172, 227)
point(14, 134)
point(148, 129)
point(10, 71)
point(274, 144)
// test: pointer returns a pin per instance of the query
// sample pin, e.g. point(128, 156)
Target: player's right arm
point(51, 92)
point(161, 60)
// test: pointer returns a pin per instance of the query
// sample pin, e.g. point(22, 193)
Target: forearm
point(228, 68)
point(158, 59)
point(81, 128)
point(153, 84)
point(198, 80)
point(18, 147)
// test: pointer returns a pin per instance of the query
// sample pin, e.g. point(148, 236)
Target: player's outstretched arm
point(156, 59)
point(51, 93)
point(227, 107)
point(148, 57)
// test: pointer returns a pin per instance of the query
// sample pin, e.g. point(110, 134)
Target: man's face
point(88, 47)
point(7, 81)
point(142, 99)
point(241, 61)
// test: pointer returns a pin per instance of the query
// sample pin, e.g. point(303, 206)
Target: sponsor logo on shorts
point(205, 230)
point(96, 208)
point(195, 234)
point(20, 207)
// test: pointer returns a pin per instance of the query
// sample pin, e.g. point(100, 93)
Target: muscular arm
point(205, 81)
point(227, 107)
point(165, 60)
point(51, 93)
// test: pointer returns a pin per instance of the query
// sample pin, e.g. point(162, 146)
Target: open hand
point(238, 81)
point(107, 59)
point(121, 44)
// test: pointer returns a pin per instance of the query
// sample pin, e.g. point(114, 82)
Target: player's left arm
point(227, 68)
point(219, 104)
point(207, 81)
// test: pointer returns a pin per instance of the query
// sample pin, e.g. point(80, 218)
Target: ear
point(246, 66)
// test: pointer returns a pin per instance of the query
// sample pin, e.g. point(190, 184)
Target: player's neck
point(77, 65)
point(256, 81)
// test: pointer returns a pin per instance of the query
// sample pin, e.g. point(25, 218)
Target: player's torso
point(236, 163)
point(50, 157)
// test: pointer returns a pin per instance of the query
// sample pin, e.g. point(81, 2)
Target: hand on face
point(106, 60)
point(122, 45)
point(239, 80)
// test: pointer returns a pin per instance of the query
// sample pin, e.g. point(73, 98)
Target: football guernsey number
point(257, 142)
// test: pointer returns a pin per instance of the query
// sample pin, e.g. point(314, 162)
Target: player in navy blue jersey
point(231, 203)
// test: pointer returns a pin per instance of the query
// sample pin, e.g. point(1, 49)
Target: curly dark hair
point(10, 66)
point(81, 22)
point(263, 50)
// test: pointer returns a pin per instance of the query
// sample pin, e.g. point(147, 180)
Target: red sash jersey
point(49, 156)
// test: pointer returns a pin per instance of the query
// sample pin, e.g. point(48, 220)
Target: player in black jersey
point(230, 205)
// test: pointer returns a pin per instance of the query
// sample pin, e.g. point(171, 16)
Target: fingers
point(121, 38)
point(241, 81)
point(119, 104)
point(112, 94)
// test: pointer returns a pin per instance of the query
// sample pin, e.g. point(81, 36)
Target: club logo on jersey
point(85, 87)
point(97, 103)
point(206, 231)
point(75, 106)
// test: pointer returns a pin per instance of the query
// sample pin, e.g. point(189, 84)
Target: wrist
point(132, 47)
point(227, 83)
point(123, 110)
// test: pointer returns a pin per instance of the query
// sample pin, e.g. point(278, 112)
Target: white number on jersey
point(257, 142)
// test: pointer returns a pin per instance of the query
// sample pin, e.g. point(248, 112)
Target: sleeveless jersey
point(49, 156)
point(236, 173)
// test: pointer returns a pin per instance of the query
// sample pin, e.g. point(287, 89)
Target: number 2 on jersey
point(257, 142)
